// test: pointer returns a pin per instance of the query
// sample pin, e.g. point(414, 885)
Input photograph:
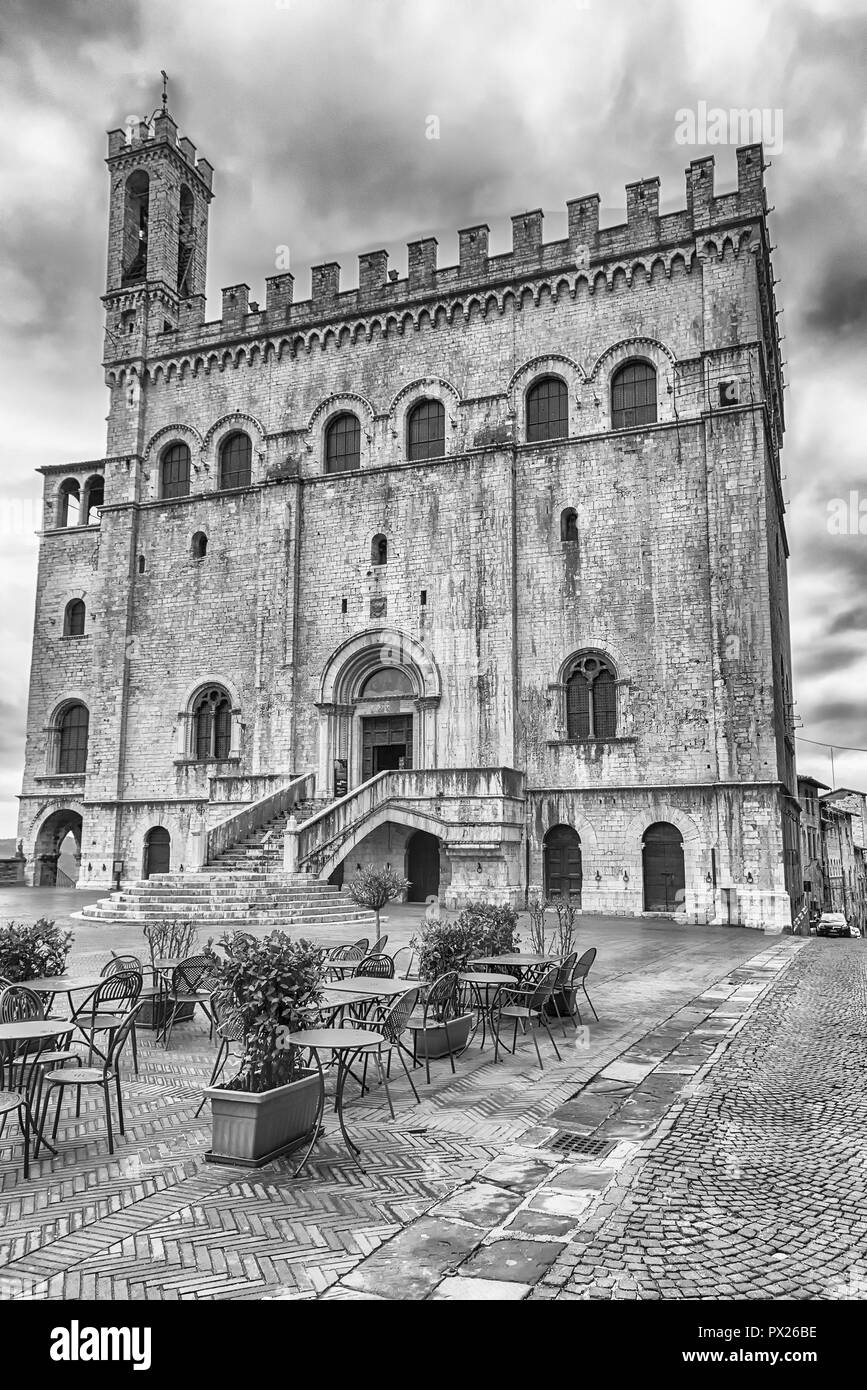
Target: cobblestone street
point(756, 1184)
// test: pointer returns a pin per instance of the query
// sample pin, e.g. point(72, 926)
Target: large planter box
point(153, 1014)
point(433, 1042)
point(252, 1130)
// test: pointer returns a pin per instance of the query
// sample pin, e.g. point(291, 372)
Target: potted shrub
point(272, 1103)
point(442, 947)
point(31, 950)
point(373, 888)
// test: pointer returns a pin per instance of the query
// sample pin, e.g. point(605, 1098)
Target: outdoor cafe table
point(515, 960)
point(370, 986)
point(485, 988)
point(346, 1044)
point(34, 1030)
point(63, 984)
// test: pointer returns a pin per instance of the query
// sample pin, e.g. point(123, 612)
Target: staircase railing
point(237, 827)
point(313, 844)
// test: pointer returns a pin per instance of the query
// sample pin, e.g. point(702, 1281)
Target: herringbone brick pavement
point(154, 1221)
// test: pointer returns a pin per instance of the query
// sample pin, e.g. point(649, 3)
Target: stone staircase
point(223, 899)
point(262, 850)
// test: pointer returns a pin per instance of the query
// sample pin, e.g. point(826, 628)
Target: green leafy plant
point(29, 950)
point(494, 928)
point(373, 888)
point(270, 984)
point(443, 946)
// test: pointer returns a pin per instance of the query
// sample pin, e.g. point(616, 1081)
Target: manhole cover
point(577, 1144)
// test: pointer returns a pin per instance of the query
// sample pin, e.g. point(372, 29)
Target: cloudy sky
point(314, 114)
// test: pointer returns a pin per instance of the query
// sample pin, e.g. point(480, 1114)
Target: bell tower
point(157, 236)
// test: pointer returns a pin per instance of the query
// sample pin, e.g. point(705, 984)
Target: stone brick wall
point(675, 574)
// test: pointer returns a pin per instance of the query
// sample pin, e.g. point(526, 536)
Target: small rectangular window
point(343, 605)
point(423, 599)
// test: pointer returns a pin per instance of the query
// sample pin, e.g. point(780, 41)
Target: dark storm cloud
point(839, 306)
point(849, 620)
point(314, 116)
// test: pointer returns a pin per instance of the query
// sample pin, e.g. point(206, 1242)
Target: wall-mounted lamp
point(749, 877)
point(598, 876)
point(479, 868)
point(708, 878)
point(625, 876)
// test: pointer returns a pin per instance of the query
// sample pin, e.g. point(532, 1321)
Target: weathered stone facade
point(673, 567)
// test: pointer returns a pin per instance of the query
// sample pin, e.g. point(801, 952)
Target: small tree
point(373, 888)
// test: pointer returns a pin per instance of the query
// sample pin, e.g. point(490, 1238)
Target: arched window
point(94, 498)
point(388, 680)
point(72, 742)
point(548, 409)
point(175, 471)
point(212, 724)
point(73, 618)
point(343, 444)
point(379, 550)
point(591, 699)
point(70, 503)
point(569, 525)
point(236, 461)
point(135, 229)
point(633, 395)
point(663, 867)
point(426, 431)
point(199, 546)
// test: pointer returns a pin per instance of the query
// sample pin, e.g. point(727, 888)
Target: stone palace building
point(479, 570)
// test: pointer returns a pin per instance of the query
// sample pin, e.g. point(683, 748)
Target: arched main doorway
point(662, 861)
point(422, 866)
point(158, 851)
point(58, 850)
point(386, 721)
point(562, 861)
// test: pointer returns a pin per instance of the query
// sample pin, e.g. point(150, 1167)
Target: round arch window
point(388, 680)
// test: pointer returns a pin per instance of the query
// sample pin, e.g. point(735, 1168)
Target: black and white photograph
point(433, 707)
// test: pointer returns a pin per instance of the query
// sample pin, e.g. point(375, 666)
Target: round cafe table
point(491, 983)
point(63, 984)
point(370, 987)
point(345, 1044)
point(41, 1032)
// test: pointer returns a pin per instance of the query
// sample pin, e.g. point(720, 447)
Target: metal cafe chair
point(564, 982)
point(229, 1029)
point(379, 945)
point(527, 1007)
point(92, 1076)
point(392, 1023)
point(193, 981)
point(19, 1094)
point(18, 1004)
point(579, 981)
point(404, 959)
point(376, 966)
point(107, 1008)
point(118, 965)
point(439, 1005)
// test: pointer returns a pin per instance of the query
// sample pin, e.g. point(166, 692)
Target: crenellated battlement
point(586, 244)
point(150, 136)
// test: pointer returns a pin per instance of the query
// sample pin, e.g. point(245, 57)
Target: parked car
point(832, 924)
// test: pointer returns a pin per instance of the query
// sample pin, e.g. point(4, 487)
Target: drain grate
point(577, 1144)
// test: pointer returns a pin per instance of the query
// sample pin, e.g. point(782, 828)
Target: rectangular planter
point(251, 1130)
point(153, 1014)
point(436, 1040)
